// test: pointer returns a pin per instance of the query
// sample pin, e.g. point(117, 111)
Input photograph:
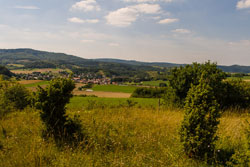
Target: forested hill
point(30, 58)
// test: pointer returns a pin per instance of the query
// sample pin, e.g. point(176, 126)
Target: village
point(81, 78)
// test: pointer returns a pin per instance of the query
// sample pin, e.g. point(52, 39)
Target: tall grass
point(118, 136)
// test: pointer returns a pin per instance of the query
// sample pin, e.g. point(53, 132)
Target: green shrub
point(181, 79)
point(52, 101)
point(13, 96)
point(149, 92)
point(236, 94)
point(198, 129)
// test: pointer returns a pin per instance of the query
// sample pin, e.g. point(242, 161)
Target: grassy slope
point(114, 88)
point(117, 137)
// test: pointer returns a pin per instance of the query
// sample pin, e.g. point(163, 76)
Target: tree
point(181, 79)
point(52, 101)
point(198, 129)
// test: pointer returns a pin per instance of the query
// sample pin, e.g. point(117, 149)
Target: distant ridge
point(31, 57)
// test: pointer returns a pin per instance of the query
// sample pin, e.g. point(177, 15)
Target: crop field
point(114, 88)
point(103, 94)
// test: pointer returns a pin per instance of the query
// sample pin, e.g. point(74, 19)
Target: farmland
point(114, 88)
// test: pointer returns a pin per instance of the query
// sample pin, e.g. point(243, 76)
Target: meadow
point(120, 136)
point(114, 88)
point(85, 103)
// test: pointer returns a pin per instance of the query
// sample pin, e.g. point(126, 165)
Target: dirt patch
point(104, 94)
point(29, 81)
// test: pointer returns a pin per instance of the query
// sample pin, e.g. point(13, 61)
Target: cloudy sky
point(177, 31)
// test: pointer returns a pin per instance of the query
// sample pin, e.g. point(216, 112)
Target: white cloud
point(150, 1)
point(92, 21)
point(242, 4)
point(147, 8)
point(80, 21)
point(27, 7)
point(240, 43)
point(168, 21)
point(182, 31)
point(114, 44)
point(126, 16)
point(75, 20)
point(86, 5)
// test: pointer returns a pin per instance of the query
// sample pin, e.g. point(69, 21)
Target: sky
point(175, 31)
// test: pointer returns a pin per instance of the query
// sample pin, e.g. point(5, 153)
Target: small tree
point(198, 129)
point(52, 101)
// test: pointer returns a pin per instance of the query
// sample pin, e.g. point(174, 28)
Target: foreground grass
point(119, 136)
point(89, 103)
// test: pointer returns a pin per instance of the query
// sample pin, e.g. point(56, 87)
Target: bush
point(149, 92)
point(52, 101)
point(181, 79)
point(13, 96)
point(198, 129)
point(236, 94)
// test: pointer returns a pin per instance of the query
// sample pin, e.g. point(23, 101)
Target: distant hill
point(30, 58)
point(133, 62)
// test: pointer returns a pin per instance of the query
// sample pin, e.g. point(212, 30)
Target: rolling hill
point(29, 58)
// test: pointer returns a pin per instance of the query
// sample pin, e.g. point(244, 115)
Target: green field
point(153, 83)
point(36, 84)
point(114, 88)
point(77, 103)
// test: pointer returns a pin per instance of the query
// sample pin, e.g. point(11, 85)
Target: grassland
point(82, 103)
point(114, 88)
point(119, 136)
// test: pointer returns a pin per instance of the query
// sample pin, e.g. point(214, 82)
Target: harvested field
point(103, 94)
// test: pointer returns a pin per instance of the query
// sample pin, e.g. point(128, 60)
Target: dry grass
point(121, 137)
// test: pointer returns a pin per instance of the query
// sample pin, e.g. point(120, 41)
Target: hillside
point(29, 58)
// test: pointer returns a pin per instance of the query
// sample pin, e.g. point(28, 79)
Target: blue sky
point(177, 31)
